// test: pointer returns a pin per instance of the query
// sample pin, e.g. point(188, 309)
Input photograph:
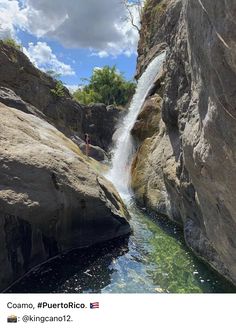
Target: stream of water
point(154, 259)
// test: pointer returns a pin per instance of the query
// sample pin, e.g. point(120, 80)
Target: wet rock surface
point(147, 123)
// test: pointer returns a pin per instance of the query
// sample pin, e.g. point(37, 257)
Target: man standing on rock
point(87, 143)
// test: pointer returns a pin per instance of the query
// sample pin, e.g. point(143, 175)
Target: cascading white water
point(119, 174)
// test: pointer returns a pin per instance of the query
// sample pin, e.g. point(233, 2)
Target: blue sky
point(72, 37)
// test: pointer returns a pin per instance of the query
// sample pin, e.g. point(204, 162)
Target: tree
point(107, 86)
point(135, 5)
point(85, 96)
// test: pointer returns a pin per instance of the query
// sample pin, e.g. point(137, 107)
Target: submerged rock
point(50, 198)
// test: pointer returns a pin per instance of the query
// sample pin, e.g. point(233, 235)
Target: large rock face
point(156, 28)
point(189, 164)
point(31, 90)
point(50, 198)
point(35, 88)
point(100, 122)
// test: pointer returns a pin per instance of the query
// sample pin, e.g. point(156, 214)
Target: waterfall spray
point(124, 148)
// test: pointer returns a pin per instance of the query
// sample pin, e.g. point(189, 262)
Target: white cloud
point(95, 24)
point(41, 55)
point(101, 54)
point(11, 18)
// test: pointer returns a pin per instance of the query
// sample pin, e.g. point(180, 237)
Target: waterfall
point(119, 173)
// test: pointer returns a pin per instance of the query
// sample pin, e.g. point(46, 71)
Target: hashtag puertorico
point(69, 305)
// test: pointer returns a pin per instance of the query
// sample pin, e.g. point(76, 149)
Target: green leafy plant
point(106, 85)
point(59, 90)
point(12, 43)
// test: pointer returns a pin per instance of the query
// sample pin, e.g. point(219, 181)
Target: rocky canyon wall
point(26, 88)
point(185, 167)
point(52, 198)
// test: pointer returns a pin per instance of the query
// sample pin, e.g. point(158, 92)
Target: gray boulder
point(9, 98)
point(51, 200)
point(100, 121)
point(95, 152)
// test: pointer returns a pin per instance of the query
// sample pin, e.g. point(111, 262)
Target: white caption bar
point(116, 311)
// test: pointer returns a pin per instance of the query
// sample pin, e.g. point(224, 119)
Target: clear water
point(154, 259)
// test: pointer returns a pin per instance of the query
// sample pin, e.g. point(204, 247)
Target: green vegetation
point(15, 47)
point(59, 90)
point(169, 265)
point(12, 43)
point(106, 86)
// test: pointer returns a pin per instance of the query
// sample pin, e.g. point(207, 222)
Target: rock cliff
point(185, 167)
point(51, 200)
point(51, 197)
point(31, 90)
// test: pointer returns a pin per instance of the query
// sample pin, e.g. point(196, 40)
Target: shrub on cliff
point(59, 90)
point(12, 43)
point(107, 86)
